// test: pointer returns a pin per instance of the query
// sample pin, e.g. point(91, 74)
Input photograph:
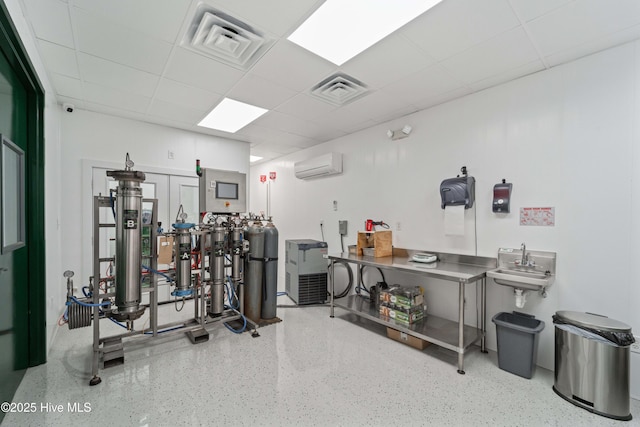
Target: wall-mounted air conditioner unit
point(326, 164)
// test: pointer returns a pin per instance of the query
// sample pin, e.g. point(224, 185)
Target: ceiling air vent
point(339, 89)
point(225, 39)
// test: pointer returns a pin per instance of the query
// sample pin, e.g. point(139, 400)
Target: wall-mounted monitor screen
point(226, 190)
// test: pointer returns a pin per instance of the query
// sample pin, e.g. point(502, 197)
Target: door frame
point(35, 290)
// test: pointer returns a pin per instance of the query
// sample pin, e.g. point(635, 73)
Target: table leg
point(461, 327)
point(332, 286)
point(483, 314)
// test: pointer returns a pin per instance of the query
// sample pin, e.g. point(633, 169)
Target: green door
point(22, 284)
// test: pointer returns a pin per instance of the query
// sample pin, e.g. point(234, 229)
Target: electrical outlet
point(322, 223)
point(635, 347)
point(398, 226)
point(170, 155)
point(342, 227)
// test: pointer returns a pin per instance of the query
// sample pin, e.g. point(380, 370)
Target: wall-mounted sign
point(545, 217)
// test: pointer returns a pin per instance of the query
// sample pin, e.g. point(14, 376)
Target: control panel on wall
point(502, 197)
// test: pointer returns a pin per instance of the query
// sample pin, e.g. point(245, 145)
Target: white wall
point(564, 137)
point(103, 138)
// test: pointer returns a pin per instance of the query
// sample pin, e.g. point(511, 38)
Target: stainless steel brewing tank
point(591, 371)
point(184, 287)
point(128, 257)
point(216, 266)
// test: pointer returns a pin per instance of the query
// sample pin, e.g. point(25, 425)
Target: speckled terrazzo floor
point(308, 370)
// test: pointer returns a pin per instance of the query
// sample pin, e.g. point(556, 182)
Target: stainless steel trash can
point(592, 363)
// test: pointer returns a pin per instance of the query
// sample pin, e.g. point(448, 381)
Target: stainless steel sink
point(529, 280)
point(536, 274)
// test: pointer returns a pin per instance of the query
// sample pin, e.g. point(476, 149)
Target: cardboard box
point(407, 300)
point(400, 315)
point(165, 249)
point(379, 241)
point(404, 338)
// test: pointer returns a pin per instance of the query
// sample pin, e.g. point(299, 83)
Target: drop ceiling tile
point(272, 150)
point(495, 56)
point(376, 104)
point(291, 66)
point(279, 17)
point(344, 121)
point(424, 84)
point(66, 86)
point(395, 114)
point(177, 113)
point(161, 19)
point(443, 97)
point(186, 96)
point(528, 10)
point(108, 73)
point(59, 59)
point(602, 43)
point(511, 74)
point(119, 100)
point(50, 20)
point(453, 26)
point(262, 134)
point(581, 22)
point(389, 60)
point(329, 134)
point(305, 107)
point(196, 70)
point(287, 123)
point(105, 39)
point(118, 112)
point(258, 91)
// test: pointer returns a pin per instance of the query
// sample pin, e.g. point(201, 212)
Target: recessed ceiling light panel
point(340, 29)
point(231, 115)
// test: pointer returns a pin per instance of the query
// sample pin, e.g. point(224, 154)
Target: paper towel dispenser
point(458, 191)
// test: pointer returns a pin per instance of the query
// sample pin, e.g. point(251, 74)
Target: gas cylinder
point(253, 271)
point(270, 290)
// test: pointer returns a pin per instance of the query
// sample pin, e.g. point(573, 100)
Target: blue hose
point(84, 304)
point(86, 294)
point(230, 295)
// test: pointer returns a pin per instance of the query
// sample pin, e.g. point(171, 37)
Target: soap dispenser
point(502, 197)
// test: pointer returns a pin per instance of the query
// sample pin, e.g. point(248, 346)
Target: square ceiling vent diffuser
point(339, 89)
point(225, 39)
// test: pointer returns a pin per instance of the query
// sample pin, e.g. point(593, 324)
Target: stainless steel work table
point(461, 269)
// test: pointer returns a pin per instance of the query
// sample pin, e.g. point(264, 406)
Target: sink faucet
point(523, 248)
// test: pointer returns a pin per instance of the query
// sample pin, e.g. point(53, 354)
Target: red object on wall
point(272, 176)
point(263, 178)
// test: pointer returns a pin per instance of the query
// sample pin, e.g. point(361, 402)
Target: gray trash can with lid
point(592, 363)
point(517, 336)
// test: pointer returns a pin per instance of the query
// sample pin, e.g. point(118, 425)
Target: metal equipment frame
point(111, 347)
point(445, 333)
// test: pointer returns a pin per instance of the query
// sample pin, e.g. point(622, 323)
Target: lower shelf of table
point(434, 329)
